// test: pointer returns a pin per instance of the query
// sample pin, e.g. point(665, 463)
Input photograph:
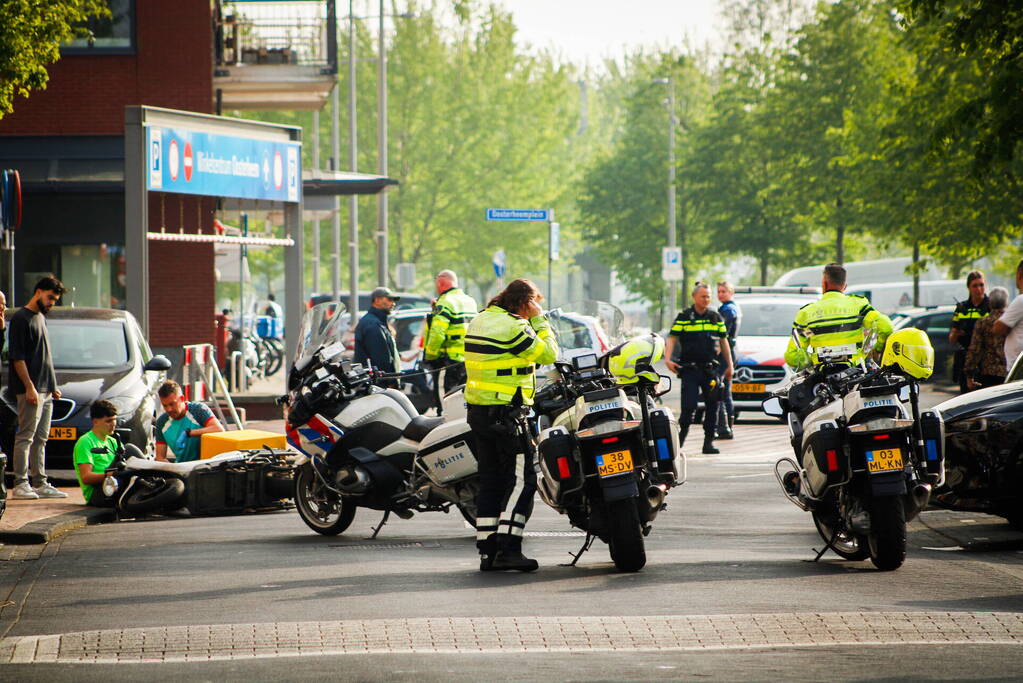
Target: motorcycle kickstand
point(376, 530)
point(586, 546)
point(826, 547)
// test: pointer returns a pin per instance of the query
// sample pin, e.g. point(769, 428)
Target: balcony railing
point(258, 33)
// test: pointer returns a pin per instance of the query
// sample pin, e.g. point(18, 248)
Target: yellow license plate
point(65, 433)
point(748, 388)
point(884, 460)
point(618, 462)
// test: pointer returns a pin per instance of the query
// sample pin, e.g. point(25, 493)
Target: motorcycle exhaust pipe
point(921, 495)
point(352, 481)
point(431, 493)
point(655, 495)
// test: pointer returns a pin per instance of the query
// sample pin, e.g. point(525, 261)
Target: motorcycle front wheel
point(625, 537)
point(156, 494)
point(323, 511)
point(887, 537)
point(846, 544)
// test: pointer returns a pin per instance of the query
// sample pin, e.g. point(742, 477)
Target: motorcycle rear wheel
point(144, 499)
point(887, 539)
point(846, 545)
point(625, 537)
point(318, 507)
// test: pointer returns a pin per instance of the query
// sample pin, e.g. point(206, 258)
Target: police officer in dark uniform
point(966, 315)
point(696, 338)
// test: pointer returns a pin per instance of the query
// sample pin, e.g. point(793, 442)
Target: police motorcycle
point(227, 483)
point(365, 446)
point(866, 459)
point(607, 454)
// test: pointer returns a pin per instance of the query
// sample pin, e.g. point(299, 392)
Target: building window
point(115, 33)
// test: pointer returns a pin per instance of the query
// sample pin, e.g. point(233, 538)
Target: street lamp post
point(672, 285)
point(382, 154)
point(353, 162)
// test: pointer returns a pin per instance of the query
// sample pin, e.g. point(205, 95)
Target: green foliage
point(31, 32)
point(989, 32)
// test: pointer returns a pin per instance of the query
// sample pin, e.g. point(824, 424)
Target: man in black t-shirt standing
point(34, 383)
point(697, 337)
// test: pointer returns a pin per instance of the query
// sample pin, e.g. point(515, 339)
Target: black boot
point(488, 550)
point(683, 431)
point(708, 445)
point(512, 559)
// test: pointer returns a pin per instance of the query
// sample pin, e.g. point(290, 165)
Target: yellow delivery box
point(224, 442)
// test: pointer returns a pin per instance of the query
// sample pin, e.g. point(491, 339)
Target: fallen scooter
point(232, 482)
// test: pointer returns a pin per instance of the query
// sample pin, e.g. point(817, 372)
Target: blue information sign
point(520, 215)
point(195, 162)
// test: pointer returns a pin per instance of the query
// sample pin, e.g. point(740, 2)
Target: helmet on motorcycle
point(909, 350)
point(634, 359)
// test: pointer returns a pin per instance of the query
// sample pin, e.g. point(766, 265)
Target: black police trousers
point(507, 479)
point(694, 381)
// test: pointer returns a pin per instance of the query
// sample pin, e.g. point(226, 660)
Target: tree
point(989, 32)
point(31, 33)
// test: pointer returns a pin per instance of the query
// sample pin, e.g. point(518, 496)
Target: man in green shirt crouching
point(91, 467)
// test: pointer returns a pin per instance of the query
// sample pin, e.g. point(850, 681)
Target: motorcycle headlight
point(110, 487)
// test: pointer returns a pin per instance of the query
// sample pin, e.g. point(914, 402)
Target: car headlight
point(110, 487)
point(125, 405)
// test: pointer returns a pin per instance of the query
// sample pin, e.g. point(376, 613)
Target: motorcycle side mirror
point(663, 386)
point(904, 392)
point(772, 406)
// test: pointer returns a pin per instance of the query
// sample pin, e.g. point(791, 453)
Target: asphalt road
point(729, 592)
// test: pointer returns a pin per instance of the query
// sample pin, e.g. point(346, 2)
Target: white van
point(881, 270)
point(888, 297)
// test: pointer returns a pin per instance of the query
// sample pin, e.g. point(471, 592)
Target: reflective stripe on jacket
point(836, 319)
point(451, 316)
point(699, 335)
point(501, 352)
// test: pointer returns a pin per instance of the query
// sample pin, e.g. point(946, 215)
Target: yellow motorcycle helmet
point(634, 359)
point(910, 350)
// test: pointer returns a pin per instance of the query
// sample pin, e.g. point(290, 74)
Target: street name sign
point(520, 214)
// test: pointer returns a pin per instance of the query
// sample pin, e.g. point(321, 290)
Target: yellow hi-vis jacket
point(835, 319)
point(452, 314)
point(501, 352)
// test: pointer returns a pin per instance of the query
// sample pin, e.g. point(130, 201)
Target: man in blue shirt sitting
point(182, 424)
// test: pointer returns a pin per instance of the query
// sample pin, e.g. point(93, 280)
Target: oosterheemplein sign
point(201, 163)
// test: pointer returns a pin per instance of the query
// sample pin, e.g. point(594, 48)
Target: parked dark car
point(98, 353)
point(936, 321)
point(984, 450)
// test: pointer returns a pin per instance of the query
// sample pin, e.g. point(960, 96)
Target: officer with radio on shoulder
point(695, 340)
point(503, 346)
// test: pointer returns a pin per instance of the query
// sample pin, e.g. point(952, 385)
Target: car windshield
point(87, 344)
point(767, 319)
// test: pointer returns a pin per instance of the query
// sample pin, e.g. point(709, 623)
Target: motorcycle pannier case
point(447, 453)
point(933, 429)
point(826, 462)
point(561, 469)
point(668, 457)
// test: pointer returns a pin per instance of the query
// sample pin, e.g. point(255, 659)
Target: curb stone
point(45, 530)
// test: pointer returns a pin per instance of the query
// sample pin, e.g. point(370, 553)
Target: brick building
point(67, 141)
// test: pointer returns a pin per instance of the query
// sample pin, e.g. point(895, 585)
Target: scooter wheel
point(143, 499)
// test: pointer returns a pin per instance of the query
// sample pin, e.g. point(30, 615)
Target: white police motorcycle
point(865, 458)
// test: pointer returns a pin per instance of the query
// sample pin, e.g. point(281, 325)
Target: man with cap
point(374, 343)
